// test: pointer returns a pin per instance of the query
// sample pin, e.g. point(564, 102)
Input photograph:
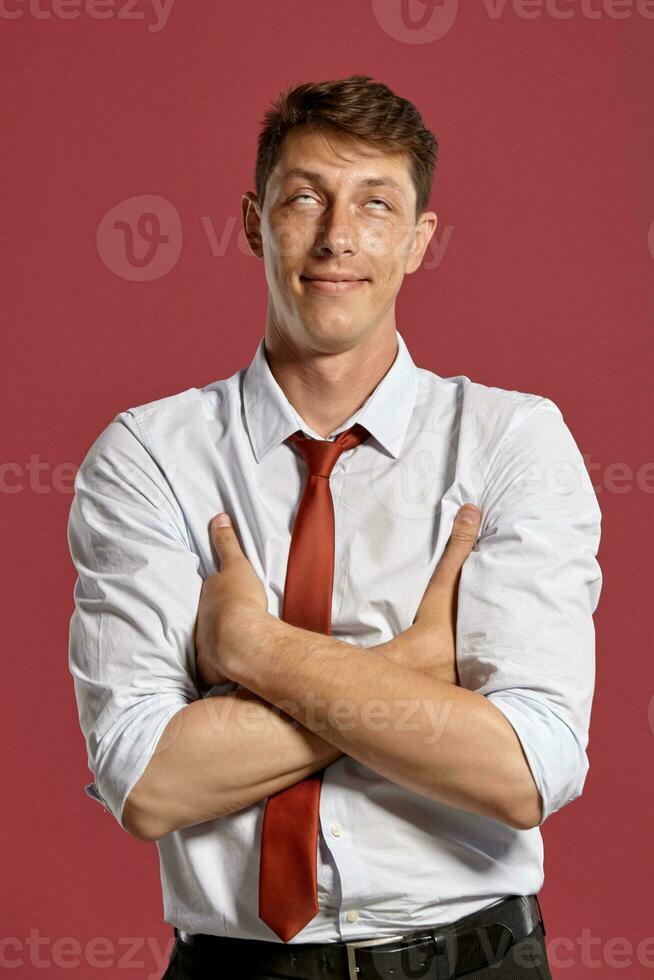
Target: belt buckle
point(351, 948)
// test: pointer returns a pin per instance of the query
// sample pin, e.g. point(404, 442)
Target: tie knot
point(320, 455)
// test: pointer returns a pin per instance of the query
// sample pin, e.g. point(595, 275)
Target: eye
point(374, 200)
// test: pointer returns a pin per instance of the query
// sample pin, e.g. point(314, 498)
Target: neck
point(326, 388)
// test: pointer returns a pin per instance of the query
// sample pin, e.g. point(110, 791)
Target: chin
point(334, 332)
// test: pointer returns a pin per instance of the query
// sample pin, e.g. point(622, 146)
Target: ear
point(421, 239)
point(251, 211)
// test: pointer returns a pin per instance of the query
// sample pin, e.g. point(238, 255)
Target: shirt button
point(352, 915)
point(336, 829)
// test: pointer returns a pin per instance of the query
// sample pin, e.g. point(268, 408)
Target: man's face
point(335, 209)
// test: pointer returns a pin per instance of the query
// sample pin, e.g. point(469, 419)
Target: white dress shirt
point(389, 860)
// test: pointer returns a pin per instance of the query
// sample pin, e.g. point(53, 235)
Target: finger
point(460, 544)
point(224, 538)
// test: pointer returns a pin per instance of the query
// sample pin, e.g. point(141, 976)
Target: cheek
point(279, 267)
point(388, 249)
point(288, 243)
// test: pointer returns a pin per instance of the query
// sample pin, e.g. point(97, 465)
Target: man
point(334, 787)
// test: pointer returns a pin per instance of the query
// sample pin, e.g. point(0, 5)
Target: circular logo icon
point(140, 238)
point(415, 21)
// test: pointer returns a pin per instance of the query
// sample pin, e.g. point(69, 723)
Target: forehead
point(340, 159)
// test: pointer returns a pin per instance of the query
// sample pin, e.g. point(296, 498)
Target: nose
point(337, 233)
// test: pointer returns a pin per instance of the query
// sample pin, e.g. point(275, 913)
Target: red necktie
point(288, 893)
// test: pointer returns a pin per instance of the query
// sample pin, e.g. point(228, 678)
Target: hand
point(229, 596)
point(429, 645)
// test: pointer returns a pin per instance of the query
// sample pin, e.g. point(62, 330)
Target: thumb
point(224, 537)
point(460, 544)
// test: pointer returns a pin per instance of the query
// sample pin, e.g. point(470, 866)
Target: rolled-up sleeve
point(527, 593)
point(131, 638)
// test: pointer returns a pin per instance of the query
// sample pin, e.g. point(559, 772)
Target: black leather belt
point(470, 943)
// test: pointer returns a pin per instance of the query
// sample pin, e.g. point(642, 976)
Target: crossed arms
point(165, 759)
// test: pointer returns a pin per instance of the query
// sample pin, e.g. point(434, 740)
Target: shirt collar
point(386, 412)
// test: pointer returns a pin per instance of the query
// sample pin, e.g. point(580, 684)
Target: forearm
point(221, 754)
point(218, 755)
point(435, 739)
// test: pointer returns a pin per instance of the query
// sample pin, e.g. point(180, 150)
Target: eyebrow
point(366, 182)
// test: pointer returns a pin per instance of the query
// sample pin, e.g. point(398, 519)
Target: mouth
point(333, 287)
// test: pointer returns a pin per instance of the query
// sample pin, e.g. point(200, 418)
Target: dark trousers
point(525, 960)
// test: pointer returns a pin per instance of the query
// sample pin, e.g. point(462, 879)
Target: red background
point(545, 284)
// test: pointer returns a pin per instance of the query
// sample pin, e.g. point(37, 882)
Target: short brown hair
point(350, 107)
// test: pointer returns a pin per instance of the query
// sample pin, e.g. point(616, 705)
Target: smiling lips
point(333, 287)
